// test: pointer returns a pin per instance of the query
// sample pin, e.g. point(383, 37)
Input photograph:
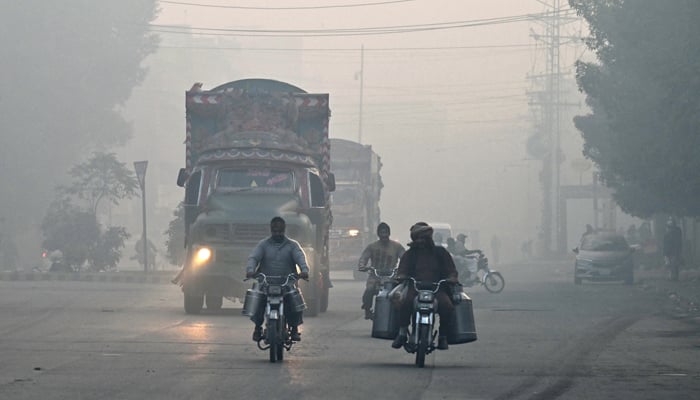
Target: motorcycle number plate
point(424, 319)
point(274, 290)
point(425, 296)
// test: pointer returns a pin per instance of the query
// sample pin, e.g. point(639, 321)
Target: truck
point(355, 202)
point(254, 149)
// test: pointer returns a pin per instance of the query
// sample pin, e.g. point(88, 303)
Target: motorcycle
point(386, 282)
point(422, 332)
point(477, 266)
point(276, 335)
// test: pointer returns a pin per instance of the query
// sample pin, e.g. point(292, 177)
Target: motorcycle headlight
point(202, 255)
point(353, 232)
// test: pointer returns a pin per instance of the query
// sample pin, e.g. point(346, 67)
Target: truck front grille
point(236, 233)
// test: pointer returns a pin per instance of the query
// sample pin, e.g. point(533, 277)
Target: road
point(541, 338)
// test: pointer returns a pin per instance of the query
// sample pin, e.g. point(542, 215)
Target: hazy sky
point(447, 109)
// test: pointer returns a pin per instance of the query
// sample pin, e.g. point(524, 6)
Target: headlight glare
point(202, 255)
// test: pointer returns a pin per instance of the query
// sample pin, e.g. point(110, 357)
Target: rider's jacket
point(279, 259)
point(382, 255)
point(428, 263)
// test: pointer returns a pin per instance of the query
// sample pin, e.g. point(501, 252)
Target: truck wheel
point(324, 299)
point(193, 304)
point(214, 302)
point(313, 306)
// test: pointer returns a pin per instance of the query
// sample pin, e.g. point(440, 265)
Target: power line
point(376, 49)
point(381, 30)
point(287, 8)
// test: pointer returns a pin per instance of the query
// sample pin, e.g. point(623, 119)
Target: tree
point(102, 177)
point(71, 230)
point(175, 244)
point(108, 250)
point(75, 230)
point(644, 95)
point(68, 67)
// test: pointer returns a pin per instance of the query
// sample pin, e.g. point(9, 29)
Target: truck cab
point(241, 177)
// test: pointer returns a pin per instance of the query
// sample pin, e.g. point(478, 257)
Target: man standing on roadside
point(673, 248)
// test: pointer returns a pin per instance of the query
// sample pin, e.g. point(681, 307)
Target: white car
point(443, 229)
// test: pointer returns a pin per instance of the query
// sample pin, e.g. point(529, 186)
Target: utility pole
point(362, 87)
point(550, 100)
point(140, 167)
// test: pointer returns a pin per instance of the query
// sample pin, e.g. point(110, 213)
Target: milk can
point(463, 329)
point(385, 324)
point(254, 299)
point(295, 299)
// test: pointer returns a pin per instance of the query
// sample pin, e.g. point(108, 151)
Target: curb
point(101, 277)
point(682, 297)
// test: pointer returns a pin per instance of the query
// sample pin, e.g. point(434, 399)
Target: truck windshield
point(255, 180)
point(346, 196)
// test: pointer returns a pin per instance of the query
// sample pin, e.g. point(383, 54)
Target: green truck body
point(255, 149)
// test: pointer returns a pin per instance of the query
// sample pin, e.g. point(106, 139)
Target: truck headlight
point(202, 255)
point(353, 232)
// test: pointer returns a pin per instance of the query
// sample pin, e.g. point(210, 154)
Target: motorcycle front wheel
point(494, 282)
point(281, 338)
point(422, 345)
point(272, 339)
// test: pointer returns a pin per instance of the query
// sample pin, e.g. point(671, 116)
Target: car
point(443, 230)
point(604, 256)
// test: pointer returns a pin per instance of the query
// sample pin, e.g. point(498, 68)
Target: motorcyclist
point(426, 262)
point(277, 255)
point(461, 247)
point(382, 255)
point(460, 252)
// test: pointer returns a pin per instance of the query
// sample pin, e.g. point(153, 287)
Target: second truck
point(255, 149)
point(356, 213)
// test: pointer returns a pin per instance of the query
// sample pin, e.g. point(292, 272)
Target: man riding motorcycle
point(426, 262)
point(383, 255)
point(277, 255)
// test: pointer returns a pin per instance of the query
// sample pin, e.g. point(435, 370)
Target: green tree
point(644, 96)
point(68, 68)
point(73, 231)
point(107, 252)
point(102, 177)
point(175, 243)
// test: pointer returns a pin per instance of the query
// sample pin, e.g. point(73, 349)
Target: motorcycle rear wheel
point(494, 282)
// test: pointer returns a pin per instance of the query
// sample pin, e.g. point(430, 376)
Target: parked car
point(604, 256)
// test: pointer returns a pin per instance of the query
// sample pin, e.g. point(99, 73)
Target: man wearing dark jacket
point(673, 247)
point(382, 255)
point(424, 261)
point(278, 255)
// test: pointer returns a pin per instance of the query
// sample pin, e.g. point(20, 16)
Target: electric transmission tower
point(547, 100)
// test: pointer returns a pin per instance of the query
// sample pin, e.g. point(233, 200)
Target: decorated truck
point(255, 149)
point(355, 201)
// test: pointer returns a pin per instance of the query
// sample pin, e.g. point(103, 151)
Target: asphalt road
point(541, 338)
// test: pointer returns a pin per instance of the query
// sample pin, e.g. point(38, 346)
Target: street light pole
point(140, 167)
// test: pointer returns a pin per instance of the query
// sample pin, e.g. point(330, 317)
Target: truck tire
point(313, 305)
point(193, 304)
point(324, 299)
point(214, 302)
